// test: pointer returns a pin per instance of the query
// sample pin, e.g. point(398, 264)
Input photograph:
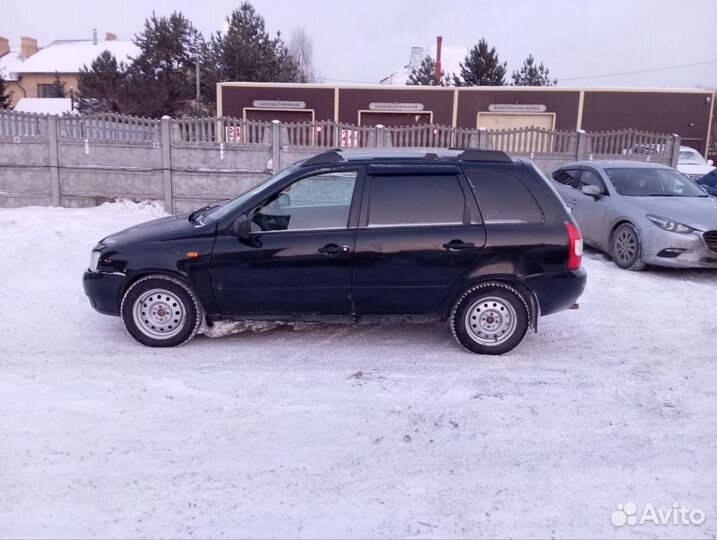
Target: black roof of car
point(339, 155)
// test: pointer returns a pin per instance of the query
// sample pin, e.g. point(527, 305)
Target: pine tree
point(481, 67)
point(101, 86)
point(533, 75)
point(57, 88)
point(425, 74)
point(246, 51)
point(160, 81)
point(4, 94)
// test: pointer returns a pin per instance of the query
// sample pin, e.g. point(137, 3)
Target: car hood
point(694, 168)
point(696, 212)
point(164, 228)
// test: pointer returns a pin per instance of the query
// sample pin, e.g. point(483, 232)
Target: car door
point(418, 233)
point(589, 211)
point(295, 256)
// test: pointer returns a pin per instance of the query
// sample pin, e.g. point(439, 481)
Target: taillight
point(575, 253)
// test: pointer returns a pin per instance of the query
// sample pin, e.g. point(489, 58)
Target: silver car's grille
point(711, 240)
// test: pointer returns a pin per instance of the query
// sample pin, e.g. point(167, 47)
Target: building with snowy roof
point(30, 70)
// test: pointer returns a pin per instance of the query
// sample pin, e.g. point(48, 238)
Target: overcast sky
point(365, 40)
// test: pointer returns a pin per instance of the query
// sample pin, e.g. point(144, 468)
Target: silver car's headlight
point(94, 260)
point(669, 225)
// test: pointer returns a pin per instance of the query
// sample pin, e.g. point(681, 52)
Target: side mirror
point(592, 191)
point(283, 200)
point(241, 227)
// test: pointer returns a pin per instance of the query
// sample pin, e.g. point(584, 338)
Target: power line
point(668, 68)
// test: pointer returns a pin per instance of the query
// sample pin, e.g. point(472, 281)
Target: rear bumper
point(556, 291)
point(103, 290)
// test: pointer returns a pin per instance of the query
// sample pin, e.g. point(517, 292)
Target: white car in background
point(693, 164)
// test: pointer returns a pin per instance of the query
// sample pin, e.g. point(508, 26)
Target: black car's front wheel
point(490, 318)
point(161, 311)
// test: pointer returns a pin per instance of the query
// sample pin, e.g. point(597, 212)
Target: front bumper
point(664, 248)
point(557, 291)
point(103, 290)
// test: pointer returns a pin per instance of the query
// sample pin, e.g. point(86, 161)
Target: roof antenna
point(94, 36)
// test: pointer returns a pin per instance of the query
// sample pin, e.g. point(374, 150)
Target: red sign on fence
point(349, 138)
point(233, 134)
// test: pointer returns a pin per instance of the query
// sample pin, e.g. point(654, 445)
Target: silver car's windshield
point(232, 205)
point(644, 182)
point(691, 157)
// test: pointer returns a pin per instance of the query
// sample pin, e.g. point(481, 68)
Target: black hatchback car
point(470, 236)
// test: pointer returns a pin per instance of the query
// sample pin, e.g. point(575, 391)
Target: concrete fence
point(86, 160)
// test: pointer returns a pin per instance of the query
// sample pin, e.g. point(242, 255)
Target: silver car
point(641, 213)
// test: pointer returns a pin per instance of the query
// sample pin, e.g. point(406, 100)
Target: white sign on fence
point(278, 104)
point(349, 138)
point(517, 107)
point(232, 134)
point(396, 107)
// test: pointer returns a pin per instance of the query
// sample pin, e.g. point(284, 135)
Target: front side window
point(567, 177)
point(415, 200)
point(692, 157)
point(644, 182)
point(503, 199)
point(316, 202)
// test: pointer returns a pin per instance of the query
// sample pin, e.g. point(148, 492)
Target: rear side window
point(503, 199)
point(415, 200)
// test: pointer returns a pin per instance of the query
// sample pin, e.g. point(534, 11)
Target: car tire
point(626, 248)
point(161, 311)
point(490, 318)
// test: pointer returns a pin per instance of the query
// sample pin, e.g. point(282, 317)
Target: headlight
point(94, 260)
point(669, 225)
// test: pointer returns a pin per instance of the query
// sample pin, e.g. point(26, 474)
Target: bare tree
point(301, 47)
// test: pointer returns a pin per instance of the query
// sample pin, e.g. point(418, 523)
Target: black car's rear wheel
point(625, 248)
point(161, 311)
point(490, 318)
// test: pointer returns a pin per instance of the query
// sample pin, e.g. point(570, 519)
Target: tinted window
point(504, 199)
point(566, 176)
point(317, 202)
point(415, 200)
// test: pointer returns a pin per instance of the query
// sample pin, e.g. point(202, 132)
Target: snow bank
point(374, 430)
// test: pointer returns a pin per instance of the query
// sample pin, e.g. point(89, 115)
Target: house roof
point(451, 57)
point(9, 64)
point(44, 105)
point(67, 56)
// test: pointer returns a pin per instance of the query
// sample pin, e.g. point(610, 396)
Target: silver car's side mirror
point(593, 191)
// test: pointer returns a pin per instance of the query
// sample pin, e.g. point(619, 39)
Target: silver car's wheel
point(625, 248)
point(159, 314)
point(491, 321)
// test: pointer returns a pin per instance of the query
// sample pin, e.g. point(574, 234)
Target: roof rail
point(482, 155)
point(325, 158)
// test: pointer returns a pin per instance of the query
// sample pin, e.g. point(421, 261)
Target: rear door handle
point(333, 249)
point(458, 245)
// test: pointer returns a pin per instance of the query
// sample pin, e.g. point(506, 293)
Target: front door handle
point(333, 249)
point(458, 245)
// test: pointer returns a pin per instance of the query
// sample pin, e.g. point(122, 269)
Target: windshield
point(644, 182)
point(231, 206)
point(691, 156)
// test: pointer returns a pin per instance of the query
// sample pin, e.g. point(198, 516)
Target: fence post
point(166, 149)
point(275, 146)
point(675, 156)
point(482, 138)
point(581, 146)
point(53, 141)
point(380, 130)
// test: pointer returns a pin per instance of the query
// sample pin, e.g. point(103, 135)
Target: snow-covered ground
point(347, 431)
